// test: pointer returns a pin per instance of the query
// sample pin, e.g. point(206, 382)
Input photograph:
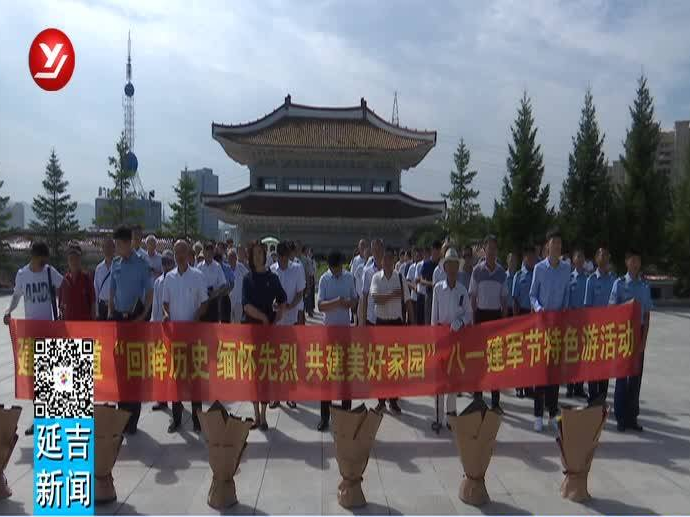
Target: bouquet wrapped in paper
point(227, 439)
point(579, 432)
point(8, 439)
point(354, 433)
point(109, 425)
point(475, 431)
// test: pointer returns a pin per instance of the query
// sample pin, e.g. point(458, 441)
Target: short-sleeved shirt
point(521, 285)
point(427, 273)
point(155, 263)
point(357, 261)
point(292, 281)
point(239, 272)
point(439, 274)
point(599, 287)
point(421, 289)
point(450, 304)
point(77, 297)
point(627, 288)
point(262, 290)
point(34, 288)
point(300, 263)
point(157, 305)
point(550, 286)
point(367, 275)
point(510, 278)
point(213, 274)
point(130, 279)
point(464, 278)
point(229, 274)
point(184, 293)
point(381, 284)
point(577, 286)
point(411, 275)
point(332, 287)
point(488, 286)
point(101, 281)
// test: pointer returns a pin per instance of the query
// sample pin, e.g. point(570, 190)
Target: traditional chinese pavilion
point(325, 176)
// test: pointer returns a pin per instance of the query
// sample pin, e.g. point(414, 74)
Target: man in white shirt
point(361, 258)
point(38, 283)
point(101, 279)
point(184, 299)
point(357, 270)
point(291, 276)
point(239, 271)
point(167, 263)
point(216, 284)
point(391, 297)
point(154, 258)
point(367, 313)
point(450, 306)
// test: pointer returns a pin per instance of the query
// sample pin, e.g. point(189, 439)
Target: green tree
point(645, 196)
point(120, 210)
point(184, 221)
point(463, 210)
point(679, 231)
point(587, 188)
point(523, 214)
point(55, 211)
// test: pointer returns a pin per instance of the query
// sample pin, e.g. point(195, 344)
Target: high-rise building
point(205, 182)
point(671, 155)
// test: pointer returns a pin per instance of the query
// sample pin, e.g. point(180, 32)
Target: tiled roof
point(327, 134)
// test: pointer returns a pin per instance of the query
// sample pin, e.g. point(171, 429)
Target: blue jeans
point(626, 398)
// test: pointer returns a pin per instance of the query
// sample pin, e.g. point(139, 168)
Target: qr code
point(63, 378)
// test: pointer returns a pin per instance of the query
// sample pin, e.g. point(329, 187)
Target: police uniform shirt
point(598, 290)
point(521, 285)
point(550, 286)
point(627, 288)
point(577, 286)
point(130, 279)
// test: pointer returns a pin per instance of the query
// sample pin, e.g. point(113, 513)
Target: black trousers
point(134, 408)
point(225, 313)
point(388, 323)
point(177, 412)
point(546, 395)
point(102, 310)
point(597, 389)
point(481, 316)
point(326, 408)
point(421, 303)
point(626, 397)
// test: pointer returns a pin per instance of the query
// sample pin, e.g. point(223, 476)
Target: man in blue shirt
point(578, 284)
point(130, 282)
point(549, 292)
point(519, 294)
point(427, 280)
point(597, 294)
point(626, 402)
point(337, 296)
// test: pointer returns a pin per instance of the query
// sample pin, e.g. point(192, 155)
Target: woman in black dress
point(263, 300)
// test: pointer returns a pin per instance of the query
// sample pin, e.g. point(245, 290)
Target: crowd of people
point(228, 283)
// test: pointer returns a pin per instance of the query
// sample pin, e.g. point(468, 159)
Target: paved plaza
point(291, 469)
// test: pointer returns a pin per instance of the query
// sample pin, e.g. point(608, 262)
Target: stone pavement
point(292, 469)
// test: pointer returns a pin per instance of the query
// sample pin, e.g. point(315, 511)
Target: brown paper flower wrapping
point(475, 433)
point(109, 425)
point(227, 438)
point(8, 439)
point(579, 432)
point(354, 433)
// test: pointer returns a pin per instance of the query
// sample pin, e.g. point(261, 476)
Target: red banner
point(207, 361)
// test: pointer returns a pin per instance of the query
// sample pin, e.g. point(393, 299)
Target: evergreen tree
point(523, 214)
point(645, 196)
point(587, 190)
point(464, 208)
point(679, 231)
point(184, 221)
point(120, 208)
point(55, 211)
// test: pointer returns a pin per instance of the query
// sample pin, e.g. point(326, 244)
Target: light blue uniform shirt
point(521, 285)
point(578, 286)
point(599, 288)
point(626, 288)
point(332, 287)
point(550, 286)
point(229, 274)
point(130, 278)
point(510, 279)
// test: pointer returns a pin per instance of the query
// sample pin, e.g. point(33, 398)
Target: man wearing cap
point(130, 282)
point(101, 279)
point(76, 292)
point(167, 263)
point(450, 306)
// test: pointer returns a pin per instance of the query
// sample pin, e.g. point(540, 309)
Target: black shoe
point(263, 426)
point(173, 427)
point(29, 431)
point(498, 409)
point(160, 406)
point(634, 426)
point(620, 426)
point(196, 425)
point(274, 404)
point(568, 394)
point(323, 425)
point(449, 427)
point(395, 407)
point(380, 407)
point(291, 404)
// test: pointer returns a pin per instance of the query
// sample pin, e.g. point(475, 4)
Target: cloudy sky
point(459, 68)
